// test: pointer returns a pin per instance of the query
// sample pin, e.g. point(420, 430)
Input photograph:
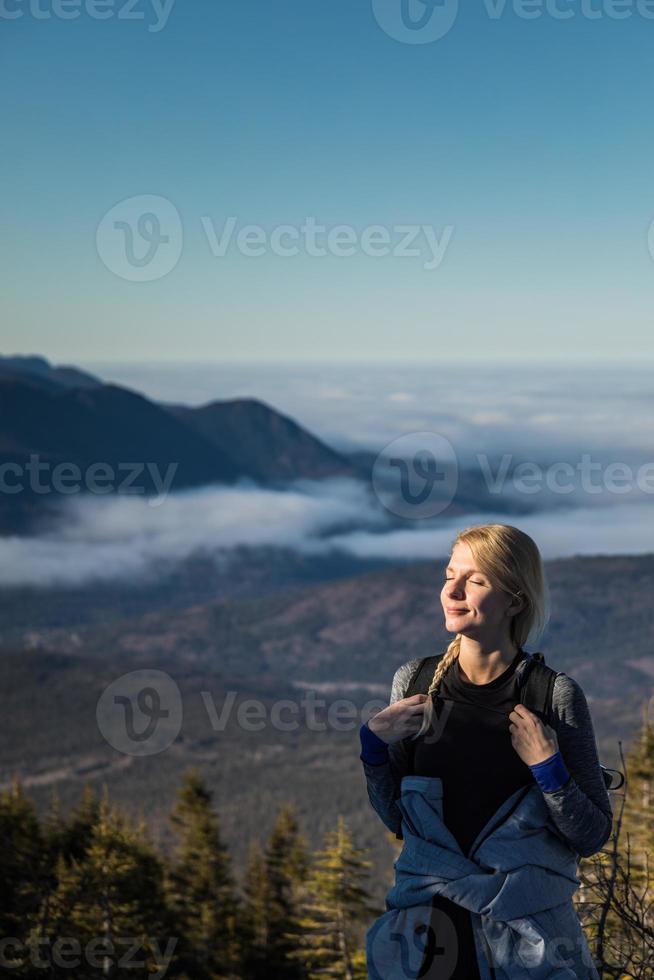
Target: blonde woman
point(496, 807)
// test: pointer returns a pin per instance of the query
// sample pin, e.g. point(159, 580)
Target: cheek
point(490, 607)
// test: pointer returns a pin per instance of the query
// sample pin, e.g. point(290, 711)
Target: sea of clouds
point(552, 418)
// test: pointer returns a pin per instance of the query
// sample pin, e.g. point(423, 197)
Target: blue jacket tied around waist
point(517, 882)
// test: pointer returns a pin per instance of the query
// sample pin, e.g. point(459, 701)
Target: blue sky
point(529, 139)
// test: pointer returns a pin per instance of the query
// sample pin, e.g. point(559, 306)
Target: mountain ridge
point(46, 413)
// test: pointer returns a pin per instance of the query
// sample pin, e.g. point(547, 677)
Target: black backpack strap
point(536, 687)
point(418, 684)
point(422, 676)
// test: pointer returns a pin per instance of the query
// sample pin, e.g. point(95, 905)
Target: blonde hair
point(513, 563)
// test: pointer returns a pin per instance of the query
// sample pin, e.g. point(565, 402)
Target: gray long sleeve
point(383, 781)
point(580, 810)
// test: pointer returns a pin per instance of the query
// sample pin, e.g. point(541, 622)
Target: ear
point(516, 605)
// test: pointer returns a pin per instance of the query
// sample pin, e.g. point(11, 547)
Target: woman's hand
point(533, 741)
point(402, 718)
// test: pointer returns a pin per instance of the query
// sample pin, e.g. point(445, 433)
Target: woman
point(479, 747)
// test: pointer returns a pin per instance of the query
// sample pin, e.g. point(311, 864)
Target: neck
point(482, 661)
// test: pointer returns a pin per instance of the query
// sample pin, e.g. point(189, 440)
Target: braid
point(448, 658)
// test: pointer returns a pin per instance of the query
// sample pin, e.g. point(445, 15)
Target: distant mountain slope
point(39, 369)
point(263, 442)
point(28, 613)
point(359, 629)
point(62, 415)
point(104, 424)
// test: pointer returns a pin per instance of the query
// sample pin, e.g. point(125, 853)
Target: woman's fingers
point(416, 708)
point(402, 718)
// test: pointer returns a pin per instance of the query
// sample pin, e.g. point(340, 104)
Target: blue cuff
point(551, 774)
point(373, 748)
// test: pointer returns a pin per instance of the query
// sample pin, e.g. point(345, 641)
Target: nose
point(454, 587)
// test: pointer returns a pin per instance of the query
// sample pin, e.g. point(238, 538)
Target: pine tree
point(201, 889)
point(72, 837)
point(335, 903)
point(110, 901)
point(66, 838)
point(287, 866)
point(254, 919)
point(22, 868)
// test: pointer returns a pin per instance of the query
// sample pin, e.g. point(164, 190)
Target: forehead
point(463, 559)
point(454, 565)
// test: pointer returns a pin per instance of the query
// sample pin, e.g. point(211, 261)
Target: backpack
point(536, 686)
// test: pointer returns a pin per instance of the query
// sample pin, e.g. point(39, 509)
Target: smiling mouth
point(458, 612)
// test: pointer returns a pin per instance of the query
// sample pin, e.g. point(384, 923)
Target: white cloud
point(561, 534)
point(401, 396)
point(125, 538)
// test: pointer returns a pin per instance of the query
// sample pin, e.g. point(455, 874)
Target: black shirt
point(479, 768)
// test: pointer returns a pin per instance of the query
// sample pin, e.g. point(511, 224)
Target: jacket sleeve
point(581, 808)
point(383, 781)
